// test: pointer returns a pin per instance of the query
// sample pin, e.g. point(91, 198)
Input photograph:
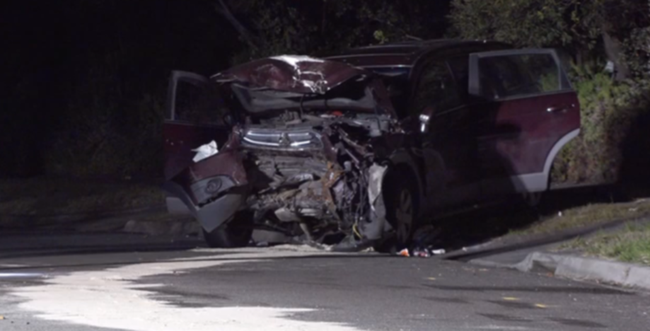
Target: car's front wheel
point(401, 206)
point(233, 234)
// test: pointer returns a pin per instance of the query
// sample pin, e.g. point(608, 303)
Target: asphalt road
point(119, 282)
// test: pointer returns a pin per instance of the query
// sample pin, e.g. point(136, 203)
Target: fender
point(539, 182)
point(220, 176)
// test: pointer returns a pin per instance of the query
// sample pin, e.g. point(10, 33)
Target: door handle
point(554, 109)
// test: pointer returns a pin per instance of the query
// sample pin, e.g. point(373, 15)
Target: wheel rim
point(404, 215)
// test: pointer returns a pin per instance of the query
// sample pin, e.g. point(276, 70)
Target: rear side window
point(436, 88)
point(519, 75)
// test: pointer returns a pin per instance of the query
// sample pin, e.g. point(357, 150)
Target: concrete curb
point(579, 268)
point(190, 227)
point(18, 222)
point(163, 227)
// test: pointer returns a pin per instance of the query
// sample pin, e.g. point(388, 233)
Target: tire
point(401, 209)
point(233, 234)
point(532, 200)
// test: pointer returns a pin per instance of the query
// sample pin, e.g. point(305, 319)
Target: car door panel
point(452, 133)
point(192, 119)
point(447, 135)
point(521, 127)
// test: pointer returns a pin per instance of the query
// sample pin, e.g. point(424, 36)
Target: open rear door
point(194, 117)
point(527, 112)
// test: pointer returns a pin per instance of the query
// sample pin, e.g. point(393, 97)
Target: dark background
point(83, 81)
point(63, 60)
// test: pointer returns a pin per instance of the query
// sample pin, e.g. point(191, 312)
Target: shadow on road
point(208, 256)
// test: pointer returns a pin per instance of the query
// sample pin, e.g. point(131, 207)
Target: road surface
point(123, 282)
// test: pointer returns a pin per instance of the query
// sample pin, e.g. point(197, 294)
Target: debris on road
point(421, 252)
point(405, 252)
point(438, 251)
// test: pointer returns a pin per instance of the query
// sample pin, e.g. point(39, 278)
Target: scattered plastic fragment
point(438, 251)
point(205, 151)
point(421, 252)
point(2, 317)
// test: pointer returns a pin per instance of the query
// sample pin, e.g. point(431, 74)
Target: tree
point(312, 26)
point(586, 29)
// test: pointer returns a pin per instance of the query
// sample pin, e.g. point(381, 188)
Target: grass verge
point(631, 244)
point(585, 216)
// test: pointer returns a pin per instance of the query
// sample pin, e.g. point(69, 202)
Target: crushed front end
point(307, 154)
point(314, 176)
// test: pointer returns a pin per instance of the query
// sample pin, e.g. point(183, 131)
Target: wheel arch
point(404, 161)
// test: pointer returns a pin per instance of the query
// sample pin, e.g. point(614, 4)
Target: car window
point(518, 75)
point(436, 88)
point(396, 81)
point(196, 105)
point(460, 68)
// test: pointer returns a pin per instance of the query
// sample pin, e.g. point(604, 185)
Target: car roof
point(406, 53)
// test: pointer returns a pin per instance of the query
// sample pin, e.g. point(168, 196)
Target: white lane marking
point(21, 275)
point(500, 327)
point(109, 299)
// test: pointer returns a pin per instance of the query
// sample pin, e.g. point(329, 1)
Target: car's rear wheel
point(532, 199)
point(233, 234)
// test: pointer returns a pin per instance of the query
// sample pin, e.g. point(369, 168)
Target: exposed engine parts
point(322, 175)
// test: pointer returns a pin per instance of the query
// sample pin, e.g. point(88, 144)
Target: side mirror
point(425, 119)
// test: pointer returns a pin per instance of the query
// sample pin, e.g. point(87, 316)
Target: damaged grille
point(267, 138)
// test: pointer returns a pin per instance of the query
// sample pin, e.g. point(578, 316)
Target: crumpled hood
point(291, 73)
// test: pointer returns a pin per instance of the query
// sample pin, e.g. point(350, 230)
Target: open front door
point(527, 111)
point(194, 117)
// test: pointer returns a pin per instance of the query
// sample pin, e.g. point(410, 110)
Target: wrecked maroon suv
point(363, 144)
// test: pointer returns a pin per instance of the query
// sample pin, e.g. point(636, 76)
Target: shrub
point(608, 110)
point(96, 143)
point(107, 132)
